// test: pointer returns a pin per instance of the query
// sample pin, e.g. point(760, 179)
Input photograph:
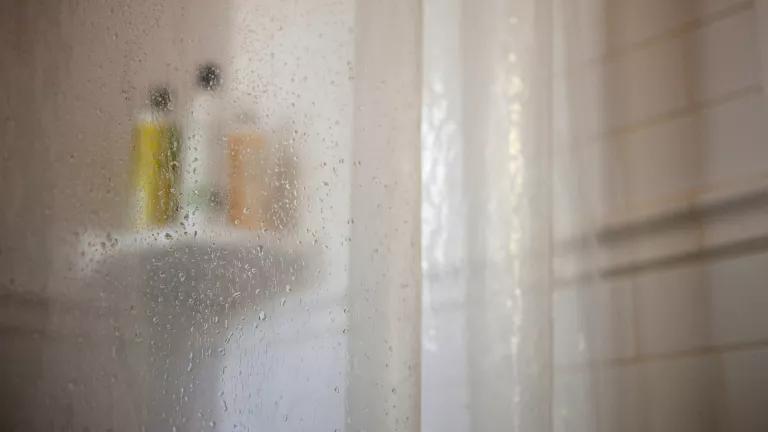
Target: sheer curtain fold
point(497, 221)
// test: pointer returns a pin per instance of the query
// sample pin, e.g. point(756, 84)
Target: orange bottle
point(250, 181)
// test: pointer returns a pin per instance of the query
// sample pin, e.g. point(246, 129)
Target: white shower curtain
point(487, 140)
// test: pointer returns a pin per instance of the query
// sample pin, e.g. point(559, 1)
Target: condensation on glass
point(209, 215)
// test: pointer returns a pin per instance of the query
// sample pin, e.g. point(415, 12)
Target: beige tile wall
point(666, 330)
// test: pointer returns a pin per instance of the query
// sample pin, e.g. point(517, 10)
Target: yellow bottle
point(156, 164)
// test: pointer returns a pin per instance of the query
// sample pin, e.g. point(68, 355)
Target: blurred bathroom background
point(403, 215)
